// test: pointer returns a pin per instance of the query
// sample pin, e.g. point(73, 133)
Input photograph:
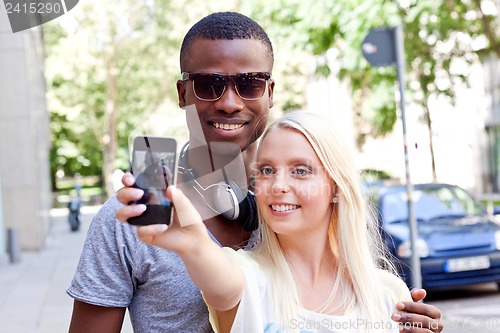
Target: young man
point(116, 270)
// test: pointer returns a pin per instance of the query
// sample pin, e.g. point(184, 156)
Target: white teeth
point(284, 208)
point(227, 127)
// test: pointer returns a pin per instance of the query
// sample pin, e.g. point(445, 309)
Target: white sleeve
point(394, 287)
point(254, 302)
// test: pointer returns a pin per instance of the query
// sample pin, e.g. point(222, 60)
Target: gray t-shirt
point(117, 270)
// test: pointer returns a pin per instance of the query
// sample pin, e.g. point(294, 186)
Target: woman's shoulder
point(393, 286)
point(243, 257)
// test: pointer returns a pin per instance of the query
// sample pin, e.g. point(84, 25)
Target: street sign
point(384, 46)
point(378, 47)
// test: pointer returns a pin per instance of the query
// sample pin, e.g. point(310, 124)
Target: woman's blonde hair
point(353, 234)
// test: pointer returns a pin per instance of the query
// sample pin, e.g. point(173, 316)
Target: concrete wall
point(24, 135)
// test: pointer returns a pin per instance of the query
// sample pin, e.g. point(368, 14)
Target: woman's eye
point(265, 170)
point(302, 171)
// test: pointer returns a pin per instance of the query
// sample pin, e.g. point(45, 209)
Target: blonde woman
point(315, 266)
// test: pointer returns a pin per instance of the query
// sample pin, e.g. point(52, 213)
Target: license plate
point(467, 264)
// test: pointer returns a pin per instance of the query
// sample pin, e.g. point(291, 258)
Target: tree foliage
point(110, 64)
point(108, 67)
point(441, 39)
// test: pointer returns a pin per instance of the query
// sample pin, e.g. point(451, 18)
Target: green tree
point(438, 34)
point(106, 75)
point(109, 67)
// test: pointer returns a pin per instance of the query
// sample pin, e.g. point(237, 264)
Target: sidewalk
point(33, 295)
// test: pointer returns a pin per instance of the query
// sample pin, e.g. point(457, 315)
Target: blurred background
point(73, 90)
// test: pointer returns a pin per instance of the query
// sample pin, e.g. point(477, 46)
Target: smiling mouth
point(284, 208)
point(227, 127)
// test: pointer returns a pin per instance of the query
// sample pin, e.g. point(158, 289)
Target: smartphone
point(154, 166)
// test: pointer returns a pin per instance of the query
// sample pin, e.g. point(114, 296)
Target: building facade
point(24, 138)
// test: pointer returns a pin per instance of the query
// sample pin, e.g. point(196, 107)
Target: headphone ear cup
point(248, 213)
point(236, 205)
point(227, 198)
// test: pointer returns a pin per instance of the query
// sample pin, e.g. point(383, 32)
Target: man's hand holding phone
point(128, 194)
point(186, 230)
point(154, 165)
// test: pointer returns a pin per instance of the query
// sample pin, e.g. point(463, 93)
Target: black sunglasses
point(211, 86)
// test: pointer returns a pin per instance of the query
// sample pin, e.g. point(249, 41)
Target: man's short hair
point(224, 25)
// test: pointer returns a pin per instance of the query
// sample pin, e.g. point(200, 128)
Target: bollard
point(3, 244)
point(13, 245)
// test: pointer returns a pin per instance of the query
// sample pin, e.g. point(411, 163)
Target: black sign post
point(385, 47)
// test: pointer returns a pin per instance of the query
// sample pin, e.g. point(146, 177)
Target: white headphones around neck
point(229, 200)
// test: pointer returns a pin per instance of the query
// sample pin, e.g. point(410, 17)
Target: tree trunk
point(428, 122)
point(109, 134)
point(488, 30)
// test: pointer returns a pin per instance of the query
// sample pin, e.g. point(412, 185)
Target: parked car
point(458, 242)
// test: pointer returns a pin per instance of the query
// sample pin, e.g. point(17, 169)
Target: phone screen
point(154, 165)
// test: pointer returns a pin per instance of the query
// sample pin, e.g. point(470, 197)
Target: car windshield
point(430, 204)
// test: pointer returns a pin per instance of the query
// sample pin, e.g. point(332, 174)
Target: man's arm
point(218, 277)
point(92, 318)
point(424, 318)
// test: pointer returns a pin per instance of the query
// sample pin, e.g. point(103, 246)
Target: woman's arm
point(219, 278)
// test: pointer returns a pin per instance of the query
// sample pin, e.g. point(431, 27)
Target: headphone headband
point(228, 198)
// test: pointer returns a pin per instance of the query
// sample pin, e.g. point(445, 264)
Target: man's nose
point(230, 101)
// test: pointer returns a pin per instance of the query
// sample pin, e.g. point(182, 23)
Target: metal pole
point(401, 68)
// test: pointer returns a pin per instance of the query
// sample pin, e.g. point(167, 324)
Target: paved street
point(470, 310)
point(33, 295)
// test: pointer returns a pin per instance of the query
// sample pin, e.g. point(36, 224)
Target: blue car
point(458, 242)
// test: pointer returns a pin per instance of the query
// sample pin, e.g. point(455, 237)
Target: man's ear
point(181, 93)
point(270, 90)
